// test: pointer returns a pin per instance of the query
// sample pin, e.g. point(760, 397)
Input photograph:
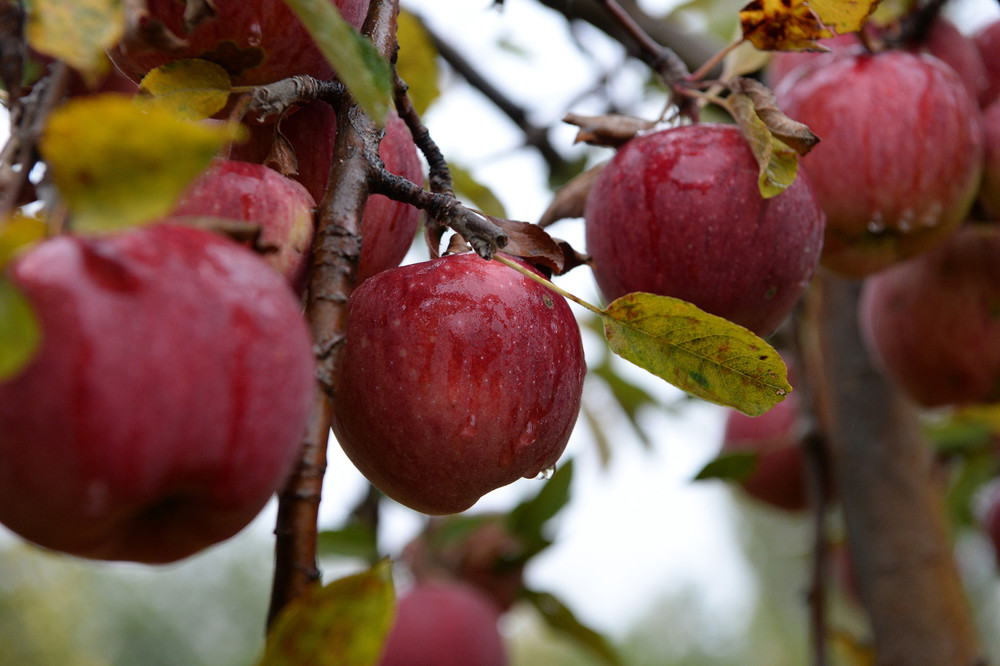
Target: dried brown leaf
point(793, 133)
point(571, 198)
point(532, 243)
point(608, 130)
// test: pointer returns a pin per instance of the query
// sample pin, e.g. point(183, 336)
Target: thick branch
point(897, 530)
point(334, 265)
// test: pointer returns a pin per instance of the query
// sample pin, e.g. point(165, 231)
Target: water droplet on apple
point(906, 220)
point(781, 392)
point(876, 225)
point(255, 34)
point(546, 473)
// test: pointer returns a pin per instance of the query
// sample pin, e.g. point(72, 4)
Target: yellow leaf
point(20, 333)
point(344, 623)
point(76, 31)
point(707, 356)
point(193, 88)
point(17, 234)
point(782, 25)
point(844, 15)
point(417, 63)
point(118, 165)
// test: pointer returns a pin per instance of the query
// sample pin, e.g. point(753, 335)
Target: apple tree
point(204, 206)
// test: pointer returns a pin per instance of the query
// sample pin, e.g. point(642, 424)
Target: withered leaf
point(782, 25)
point(791, 132)
point(571, 198)
point(282, 156)
point(532, 243)
point(608, 130)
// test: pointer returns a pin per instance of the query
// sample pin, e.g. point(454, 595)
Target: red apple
point(388, 226)
point(444, 623)
point(900, 157)
point(933, 322)
point(988, 41)
point(947, 43)
point(167, 401)
point(458, 376)
point(779, 476)
point(679, 213)
point(256, 41)
point(255, 194)
point(989, 190)
point(989, 515)
point(783, 63)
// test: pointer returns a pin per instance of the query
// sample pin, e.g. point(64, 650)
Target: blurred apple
point(679, 213)
point(458, 376)
point(255, 194)
point(900, 157)
point(167, 401)
point(255, 41)
point(933, 322)
point(988, 41)
point(989, 190)
point(444, 623)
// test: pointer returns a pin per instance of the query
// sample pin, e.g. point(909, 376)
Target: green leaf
point(561, 618)
point(20, 333)
point(528, 518)
point(630, 397)
point(17, 234)
point(707, 356)
point(192, 88)
point(344, 623)
point(730, 466)
point(365, 73)
point(76, 31)
point(969, 475)
point(778, 162)
point(352, 540)
point(418, 64)
point(118, 165)
point(470, 190)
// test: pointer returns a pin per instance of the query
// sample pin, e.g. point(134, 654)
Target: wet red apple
point(679, 213)
point(167, 401)
point(458, 376)
point(988, 41)
point(933, 322)
point(900, 157)
point(989, 190)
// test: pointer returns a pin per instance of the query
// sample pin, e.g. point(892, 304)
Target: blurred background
point(670, 570)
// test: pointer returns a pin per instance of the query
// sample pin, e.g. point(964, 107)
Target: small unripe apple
point(900, 157)
point(458, 376)
point(778, 479)
point(989, 190)
point(933, 322)
point(255, 41)
point(167, 401)
point(679, 213)
point(388, 226)
point(255, 194)
point(444, 623)
point(988, 41)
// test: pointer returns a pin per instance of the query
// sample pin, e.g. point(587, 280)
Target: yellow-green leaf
point(778, 162)
point(117, 165)
point(417, 64)
point(844, 15)
point(192, 88)
point(707, 356)
point(17, 234)
point(19, 330)
point(76, 31)
point(365, 73)
point(471, 190)
point(344, 623)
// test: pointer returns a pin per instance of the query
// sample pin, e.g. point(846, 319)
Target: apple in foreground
point(933, 323)
point(778, 479)
point(457, 376)
point(679, 213)
point(168, 398)
point(443, 623)
point(900, 157)
point(388, 226)
point(256, 194)
point(255, 41)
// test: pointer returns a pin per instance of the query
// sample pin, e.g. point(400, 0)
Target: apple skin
point(779, 477)
point(444, 623)
point(988, 41)
point(167, 401)
point(933, 323)
point(256, 41)
point(887, 196)
point(678, 212)
point(989, 190)
point(388, 226)
point(458, 376)
point(256, 194)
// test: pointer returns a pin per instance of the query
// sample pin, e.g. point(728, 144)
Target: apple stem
point(546, 283)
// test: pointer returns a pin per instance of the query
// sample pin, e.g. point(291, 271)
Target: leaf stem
point(547, 283)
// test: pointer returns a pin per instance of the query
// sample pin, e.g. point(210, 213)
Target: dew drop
point(254, 34)
point(546, 473)
point(876, 225)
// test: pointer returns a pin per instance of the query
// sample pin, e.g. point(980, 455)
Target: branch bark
point(893, 509)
